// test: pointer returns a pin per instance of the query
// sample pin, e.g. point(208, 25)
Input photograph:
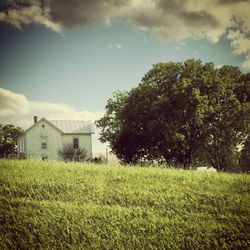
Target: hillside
point(48, 205)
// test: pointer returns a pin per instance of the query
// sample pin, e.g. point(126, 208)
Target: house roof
point(73, 127)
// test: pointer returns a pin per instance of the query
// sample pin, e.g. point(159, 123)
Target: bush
point(99, 159)
point(21, 156)
point(69, 153)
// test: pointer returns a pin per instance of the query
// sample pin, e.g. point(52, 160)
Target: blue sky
point(88, 63)
point(55, 63)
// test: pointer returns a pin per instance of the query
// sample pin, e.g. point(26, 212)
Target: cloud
point(28, 15)
point(172, 20)
point(17, 109)
point(240, 44)
point(118, 46)
point(12, 103)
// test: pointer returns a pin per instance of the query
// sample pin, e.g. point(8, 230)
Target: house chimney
point(35, 119)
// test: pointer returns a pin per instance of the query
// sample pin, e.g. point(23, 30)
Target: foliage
point(8, 139)
point(21, 156)
point(99, 159)
point(81, 206)
point(111, 123)
point(69, 153)
point(245, 157)
point(182, 113)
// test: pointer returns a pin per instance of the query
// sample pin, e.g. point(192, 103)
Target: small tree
point(8, 139)
point(69, 153)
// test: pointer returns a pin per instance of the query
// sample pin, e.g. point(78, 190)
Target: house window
point(44, 144)
point(75, 143)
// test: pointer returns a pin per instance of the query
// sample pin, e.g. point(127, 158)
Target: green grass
point(55, 205)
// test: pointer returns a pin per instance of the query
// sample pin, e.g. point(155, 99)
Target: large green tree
point(181, 113)
point(8, 139)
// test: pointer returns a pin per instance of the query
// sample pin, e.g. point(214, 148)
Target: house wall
point(21, 145)
point(39, 134)
point(84, 141)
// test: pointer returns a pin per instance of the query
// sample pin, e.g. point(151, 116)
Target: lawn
point(56, 205)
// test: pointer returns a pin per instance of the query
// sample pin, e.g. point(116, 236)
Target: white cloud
point(118, 46)
point(240, 44)
point(17, 109)
point(12, 104)
point(29, 15)
point(177, 48)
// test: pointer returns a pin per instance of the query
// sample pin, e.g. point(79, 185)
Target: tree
point(183, 113)
point(226, 124)
point(69, 153)
point(244, 164)
point(8, 139)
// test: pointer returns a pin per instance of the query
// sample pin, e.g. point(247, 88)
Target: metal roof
point(73, 127)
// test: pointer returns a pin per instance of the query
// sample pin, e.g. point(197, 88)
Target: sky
point(63, 59)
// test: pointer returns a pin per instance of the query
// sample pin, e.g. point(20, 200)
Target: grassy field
point(55, 205)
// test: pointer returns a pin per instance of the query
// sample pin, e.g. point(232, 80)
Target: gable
point(41, 122)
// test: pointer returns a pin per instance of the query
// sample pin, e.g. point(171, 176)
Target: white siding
point(39, 134)
point(84, 141)
point(21, 145)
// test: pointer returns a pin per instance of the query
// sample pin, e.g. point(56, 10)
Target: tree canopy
point(8, 139)
point(181, 113)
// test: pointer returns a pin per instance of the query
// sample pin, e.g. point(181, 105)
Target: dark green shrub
point(99, 159)
point(21, 156)
point(69, 153)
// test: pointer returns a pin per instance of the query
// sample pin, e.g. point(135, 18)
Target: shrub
point(21, 156)
point(99, 159)
point(69, 153)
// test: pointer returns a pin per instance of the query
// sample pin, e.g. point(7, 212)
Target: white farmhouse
point(45, 137)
